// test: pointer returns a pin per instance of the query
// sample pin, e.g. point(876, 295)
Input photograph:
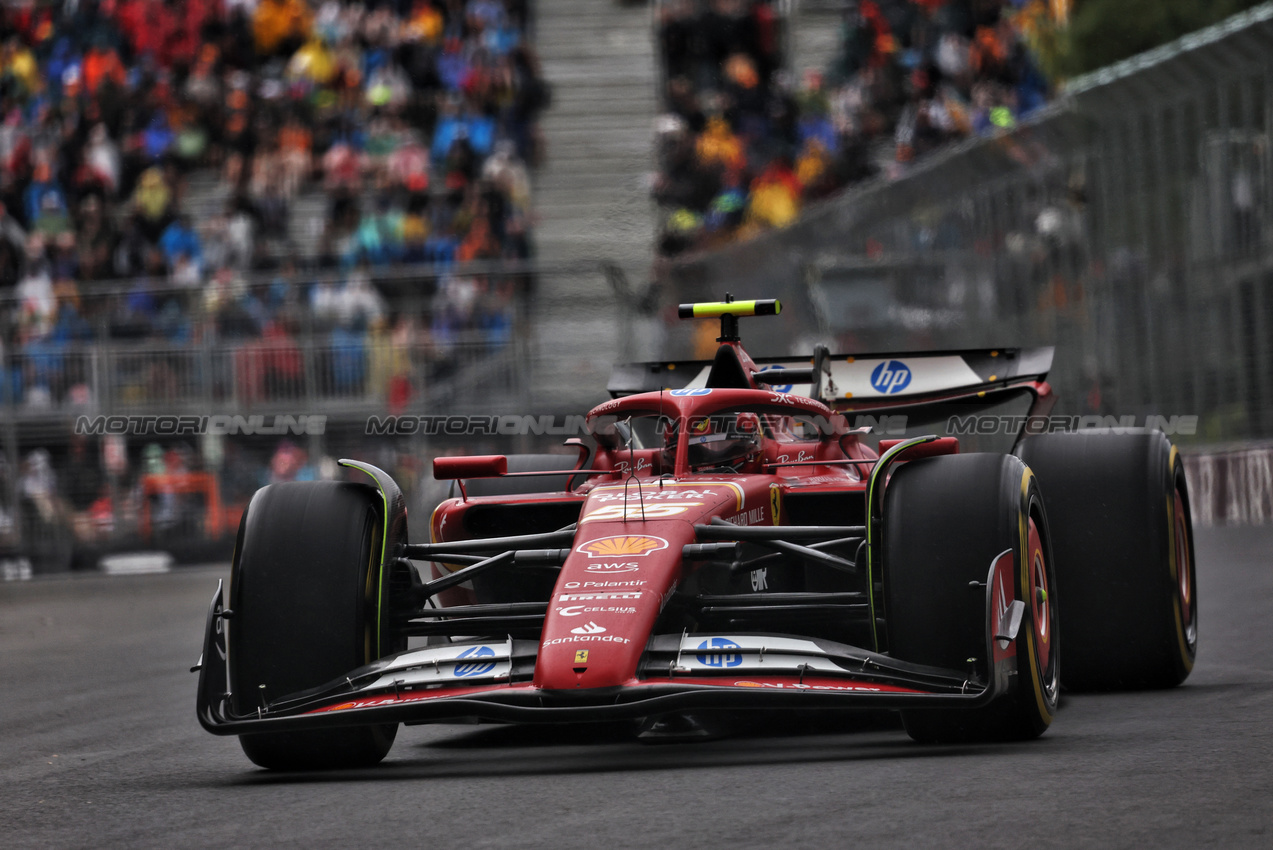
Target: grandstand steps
point(591, 193)
point(597, 166)
point(619, 104)
point(601, 125)
point(592, 174)
point(587, 208)
point(815, 35)
point(305, 225)
point(603, 141)
point(205, 195)
point(623, 101)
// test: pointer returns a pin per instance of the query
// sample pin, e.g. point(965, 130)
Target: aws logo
point(611, 569)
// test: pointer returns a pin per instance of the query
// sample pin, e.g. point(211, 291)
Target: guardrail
point(158, 446)
point(338, 374)
point(1231, 486)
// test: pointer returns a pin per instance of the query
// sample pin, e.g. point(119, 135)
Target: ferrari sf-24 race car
point(733, 539)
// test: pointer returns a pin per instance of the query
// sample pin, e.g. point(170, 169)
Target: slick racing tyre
point(1123, 543)
point(946, 519)
point(305, 589)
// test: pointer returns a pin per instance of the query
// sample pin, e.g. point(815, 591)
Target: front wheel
point(946, 519)
point(306, 592)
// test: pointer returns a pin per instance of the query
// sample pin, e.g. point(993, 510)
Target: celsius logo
point(891, 376)
point(590, 628)
point(719, 659)
point(479, 668)
point(629, 567)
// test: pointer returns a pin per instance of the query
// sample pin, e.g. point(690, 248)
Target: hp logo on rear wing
point(891, 376)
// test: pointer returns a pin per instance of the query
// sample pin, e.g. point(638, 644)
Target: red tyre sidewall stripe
point(1037, 653)
point(1180, 555)
point(1184, 571)
point(1040, 609)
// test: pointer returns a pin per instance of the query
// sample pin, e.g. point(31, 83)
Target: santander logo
point(589, 628)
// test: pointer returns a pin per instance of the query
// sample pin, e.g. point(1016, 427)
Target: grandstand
point(258, 207)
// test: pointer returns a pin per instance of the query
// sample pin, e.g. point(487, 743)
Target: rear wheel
point(946, 520)
point(305, 588)
point(1124, 552)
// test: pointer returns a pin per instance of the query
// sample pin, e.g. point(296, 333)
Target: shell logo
point(622, 545)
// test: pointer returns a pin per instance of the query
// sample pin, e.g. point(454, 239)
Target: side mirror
point(471, 466)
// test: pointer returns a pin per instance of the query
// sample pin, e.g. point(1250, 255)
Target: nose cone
point(625, 564)
point(608, 596)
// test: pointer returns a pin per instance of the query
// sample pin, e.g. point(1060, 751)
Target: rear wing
point(854, 380)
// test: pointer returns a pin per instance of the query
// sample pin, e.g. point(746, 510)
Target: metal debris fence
point(1130, 225)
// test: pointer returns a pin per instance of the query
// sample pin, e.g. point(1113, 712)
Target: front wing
point(491, 680)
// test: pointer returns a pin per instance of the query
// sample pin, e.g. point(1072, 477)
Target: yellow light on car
point(716, 309)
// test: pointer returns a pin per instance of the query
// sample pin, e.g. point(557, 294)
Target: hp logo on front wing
point(715, 653)
point(476, 668)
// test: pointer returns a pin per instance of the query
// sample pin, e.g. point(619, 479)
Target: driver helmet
point(723, 440)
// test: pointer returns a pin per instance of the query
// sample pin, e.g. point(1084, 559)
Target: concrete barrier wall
point(1231, 487)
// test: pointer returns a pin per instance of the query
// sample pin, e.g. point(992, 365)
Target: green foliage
point(1102, 32)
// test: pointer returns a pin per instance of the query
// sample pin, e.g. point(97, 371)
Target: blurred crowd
point(409, 123)
point(408, 127)
point(744, 145)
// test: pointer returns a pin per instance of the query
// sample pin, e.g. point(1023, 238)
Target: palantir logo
point(891, 376)
point(719, 659)
point(479, 668)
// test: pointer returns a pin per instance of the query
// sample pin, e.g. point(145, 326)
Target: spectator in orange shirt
point(101, 63)
point(280, 27)
point(479, 244)
point(775, 195)
point(718, 145)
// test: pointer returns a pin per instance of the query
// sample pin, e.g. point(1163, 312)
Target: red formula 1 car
point(739, 536)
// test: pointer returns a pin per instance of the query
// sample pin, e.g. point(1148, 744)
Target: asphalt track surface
point(99, 747)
